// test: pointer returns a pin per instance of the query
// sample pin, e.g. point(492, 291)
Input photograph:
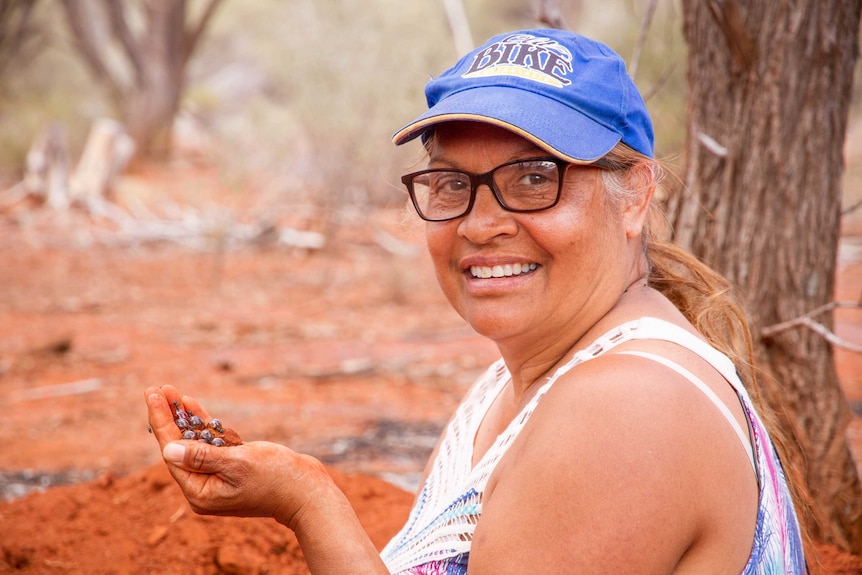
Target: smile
point(501, 271)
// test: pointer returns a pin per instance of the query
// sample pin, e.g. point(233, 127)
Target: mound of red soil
point(141, 524)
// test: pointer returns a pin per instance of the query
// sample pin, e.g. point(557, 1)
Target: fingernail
point(174, 453)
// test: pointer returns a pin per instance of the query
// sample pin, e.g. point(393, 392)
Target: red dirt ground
point(350, 354)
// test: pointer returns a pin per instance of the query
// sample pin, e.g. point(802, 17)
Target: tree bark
point(770, 84)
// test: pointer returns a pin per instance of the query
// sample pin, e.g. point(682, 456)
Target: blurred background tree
point(139, 52)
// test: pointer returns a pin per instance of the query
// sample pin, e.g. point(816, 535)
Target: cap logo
point(525, 56)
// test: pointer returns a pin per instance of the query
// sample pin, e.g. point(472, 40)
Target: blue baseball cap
point(566, 93)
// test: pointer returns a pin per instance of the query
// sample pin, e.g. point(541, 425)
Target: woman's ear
point(642, 183)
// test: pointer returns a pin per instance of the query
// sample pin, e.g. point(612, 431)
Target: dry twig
point(551, 15)
point(642, 36)
point(816, 327)
point(851, 208)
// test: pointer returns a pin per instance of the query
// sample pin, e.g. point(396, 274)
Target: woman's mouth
point(502, 271)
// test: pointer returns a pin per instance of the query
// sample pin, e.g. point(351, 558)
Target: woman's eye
point(532, 174)
point(453, 184)
point(534, 179)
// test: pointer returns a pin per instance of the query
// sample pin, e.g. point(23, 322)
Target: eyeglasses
point(529, 185)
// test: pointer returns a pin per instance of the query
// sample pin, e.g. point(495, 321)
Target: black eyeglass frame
point(487, 178)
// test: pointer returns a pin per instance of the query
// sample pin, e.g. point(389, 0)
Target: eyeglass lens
point(521, 186)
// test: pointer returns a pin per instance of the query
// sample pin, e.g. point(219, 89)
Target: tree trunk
point(770, 84)
point(149, 109)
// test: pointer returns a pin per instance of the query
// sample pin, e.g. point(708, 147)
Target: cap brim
point(551, 125)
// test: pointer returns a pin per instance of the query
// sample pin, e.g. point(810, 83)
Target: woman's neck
point(534, 362)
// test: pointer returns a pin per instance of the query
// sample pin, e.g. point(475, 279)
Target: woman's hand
point(258, 479)
point(262, 479)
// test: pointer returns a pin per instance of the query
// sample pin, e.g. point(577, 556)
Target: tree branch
point(852, 208)
point(15, 31)
point(120, 28)
point(77, 17)
point(806, 321)
point(459, 25)
point(659, 83)
point(642, 36)
point(551, 15)
point(195, 31)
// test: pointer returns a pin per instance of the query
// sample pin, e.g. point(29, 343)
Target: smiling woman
point(615, 433)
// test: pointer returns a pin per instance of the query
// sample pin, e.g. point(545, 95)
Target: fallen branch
point(107, 151)
point(88, 190)
point(13, 195)
point(52, 391)
point(47, 168)
point(195, 229)
point(393, 245)
point(816, 327)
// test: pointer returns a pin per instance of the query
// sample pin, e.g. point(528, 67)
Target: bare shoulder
point(630, 418)
point(612, 468)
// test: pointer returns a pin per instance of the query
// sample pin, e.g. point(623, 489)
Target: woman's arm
point(262, 479)
point(623, 468)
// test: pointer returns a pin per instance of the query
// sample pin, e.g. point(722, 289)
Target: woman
point(614, 434)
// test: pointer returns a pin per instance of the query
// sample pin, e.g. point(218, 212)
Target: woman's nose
point(487, 218)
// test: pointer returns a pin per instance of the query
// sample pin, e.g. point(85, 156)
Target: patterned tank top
point(437, 536)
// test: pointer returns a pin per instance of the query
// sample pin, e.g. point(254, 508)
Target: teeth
point(501, 271)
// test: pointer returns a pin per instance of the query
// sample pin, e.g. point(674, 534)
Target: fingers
point(161, 416)
point(162, 403)
point(192, 406)
point(214, 480)
point(184, 402)
point(196, 467)
point(171, 394)
point(194, 456)
point(257, 479)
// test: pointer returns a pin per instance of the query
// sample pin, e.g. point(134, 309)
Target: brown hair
point(708, 300)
